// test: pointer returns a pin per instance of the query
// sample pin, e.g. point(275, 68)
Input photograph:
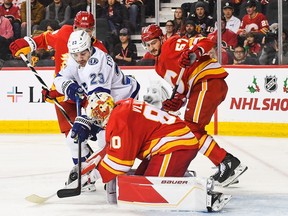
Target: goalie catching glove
point(189, 56)
point(175, 103)
point(24, 45)
point(84, 128)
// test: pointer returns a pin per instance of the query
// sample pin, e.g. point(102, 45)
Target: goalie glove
point(175, 103)
point(24, 45)
point(71, 89)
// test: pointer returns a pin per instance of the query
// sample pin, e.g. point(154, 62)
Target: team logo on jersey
point(271, 83)
point(93, 61)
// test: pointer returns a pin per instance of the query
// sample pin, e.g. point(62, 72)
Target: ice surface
point(40, 164)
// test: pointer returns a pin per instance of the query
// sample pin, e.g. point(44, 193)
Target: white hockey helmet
point(99, 108)
point(79, 41)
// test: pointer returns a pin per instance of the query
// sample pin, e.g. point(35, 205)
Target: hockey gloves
point(84, 128)
point(71, 89)
point(175, 103)
point(23, 45)
point(81, 128)
point(189, 56)
point(50, 94)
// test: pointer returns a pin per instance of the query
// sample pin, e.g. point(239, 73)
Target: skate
point(216, 201)
point(228, 171)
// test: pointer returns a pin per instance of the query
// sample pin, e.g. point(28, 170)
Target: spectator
point(240, 57)
point(254, 22)
point(125, 52)
point(12, 12)
point(112, 11)
point(251, 46)
point(179, 20)
point(269, 52)
point(204, 23)
point(37, 15)
point(49, 52)
point(133, 7)
point(225, 56)
point(170, 30)
point(76, 6)
point(190, 30)
point(6, 35)
point(58, 10)
point(232, 22)
point(229, 38)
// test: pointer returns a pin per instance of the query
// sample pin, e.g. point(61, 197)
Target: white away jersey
point(100, 74)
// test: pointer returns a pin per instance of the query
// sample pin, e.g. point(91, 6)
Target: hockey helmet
point(84, 19)
point(79, 41)
point(99, 108)
point(151, 32)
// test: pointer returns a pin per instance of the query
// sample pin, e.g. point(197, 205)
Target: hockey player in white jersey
point(89, 70)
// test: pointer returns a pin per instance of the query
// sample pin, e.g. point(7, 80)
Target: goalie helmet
point(151, 32)
point(84, 19)
point(99, 108)
point(79, 41)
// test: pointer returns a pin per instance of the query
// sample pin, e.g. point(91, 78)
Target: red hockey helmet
point(84, 19)
point(151, 32)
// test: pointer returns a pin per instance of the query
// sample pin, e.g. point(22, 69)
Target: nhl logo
point(271, 83)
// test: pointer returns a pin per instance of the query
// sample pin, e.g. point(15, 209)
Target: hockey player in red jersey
point(58, 40)
point(136, 130)
point(202, 84)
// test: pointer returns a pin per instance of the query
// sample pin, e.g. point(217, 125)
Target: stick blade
point(37, 199)
point(62, 193)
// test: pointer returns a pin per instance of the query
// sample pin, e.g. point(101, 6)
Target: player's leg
point(204, 100)
point(174, 164)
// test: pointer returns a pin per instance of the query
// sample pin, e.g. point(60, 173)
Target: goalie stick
point(68, 192)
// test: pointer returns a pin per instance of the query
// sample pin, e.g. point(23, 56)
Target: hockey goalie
point(163, 143)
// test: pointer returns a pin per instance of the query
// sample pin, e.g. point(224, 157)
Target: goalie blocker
point(169, 193)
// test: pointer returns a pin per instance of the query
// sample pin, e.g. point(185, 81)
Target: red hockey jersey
point(259, 23)
point(205, 68)
point(139, 130)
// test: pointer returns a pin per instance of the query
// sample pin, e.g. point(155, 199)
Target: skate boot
point(228, 171)
point(216, 201)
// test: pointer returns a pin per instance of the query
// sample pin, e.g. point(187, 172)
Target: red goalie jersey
point(168, 68)
point(138, 130)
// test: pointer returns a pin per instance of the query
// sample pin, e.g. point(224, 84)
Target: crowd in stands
point(249, 29)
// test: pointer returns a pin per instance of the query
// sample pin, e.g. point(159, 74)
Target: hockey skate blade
point(238, 172)
point(219, 204)
point(38, 199)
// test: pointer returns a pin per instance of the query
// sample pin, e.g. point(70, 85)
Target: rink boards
point(256, 103)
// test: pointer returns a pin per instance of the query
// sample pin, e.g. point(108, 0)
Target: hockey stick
point(192, 60)
point(68, 192)
point(177, 83)
point(44, 86)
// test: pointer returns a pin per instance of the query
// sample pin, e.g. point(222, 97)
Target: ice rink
point(40, 164)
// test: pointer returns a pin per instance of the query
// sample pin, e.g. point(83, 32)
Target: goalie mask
point(99, 108)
